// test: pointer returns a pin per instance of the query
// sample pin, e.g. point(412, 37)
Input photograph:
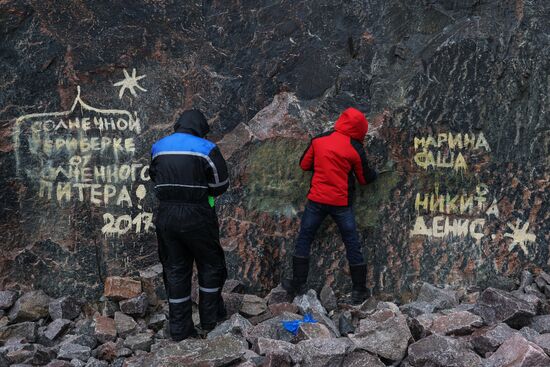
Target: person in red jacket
point(336, 158)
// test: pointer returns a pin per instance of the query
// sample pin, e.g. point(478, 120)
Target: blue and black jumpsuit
point(187, 170)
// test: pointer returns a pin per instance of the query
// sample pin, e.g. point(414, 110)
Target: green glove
point(211, 201)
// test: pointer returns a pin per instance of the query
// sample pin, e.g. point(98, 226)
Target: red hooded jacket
point(335, 157)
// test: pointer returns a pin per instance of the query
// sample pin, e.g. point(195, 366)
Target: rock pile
point(128, 327)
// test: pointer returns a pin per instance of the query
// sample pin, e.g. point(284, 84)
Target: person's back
point(187, 170)
point(336, 158)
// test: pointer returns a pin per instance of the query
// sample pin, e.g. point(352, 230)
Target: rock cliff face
point(456, 93)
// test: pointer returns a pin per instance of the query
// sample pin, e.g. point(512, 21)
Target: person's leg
point(313, 216)
point(345, 219)
point(177, 265)
point(212, 271)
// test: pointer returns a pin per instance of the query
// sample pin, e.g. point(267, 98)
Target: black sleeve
point(152, 170)
point(218, 176)
point(368, 173)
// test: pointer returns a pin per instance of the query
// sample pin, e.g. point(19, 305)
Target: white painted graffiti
point(86, 154)
point(130, 83)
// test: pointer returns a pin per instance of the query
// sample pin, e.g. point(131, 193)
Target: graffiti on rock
point(445, 150)
point(459, 214)
point(520, 237)
point(86, 155)
point(130, 83)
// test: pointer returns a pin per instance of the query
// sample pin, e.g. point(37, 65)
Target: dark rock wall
point(456, 93)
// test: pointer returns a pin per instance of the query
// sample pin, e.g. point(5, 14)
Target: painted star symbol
point(129, 82)
point(519, 236)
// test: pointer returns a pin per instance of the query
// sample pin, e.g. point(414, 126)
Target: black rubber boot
point(222, 311)
point(359, 292)
point(209, 309)
point(297, 285)
point(180, 321)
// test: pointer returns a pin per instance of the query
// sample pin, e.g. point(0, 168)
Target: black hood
point(192, 122)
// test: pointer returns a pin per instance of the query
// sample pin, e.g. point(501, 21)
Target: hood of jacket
point(192, 122)
point(352, 123)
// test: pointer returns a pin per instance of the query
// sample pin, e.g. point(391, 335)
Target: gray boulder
point(527, 279)
point(420, 326)
point(442, 351)
point(141, 341)
point(417, 308)
point(153, 284)
point(124, 324)
point(328, 298)
point(277, 295)
point(541, 324)
point(309, 302)
point(56, 328)
point(528, 333)
point(92, 362)
point(57, 363)
point(456, 323)
point(273, 328)
point(64, 308)
point(236, 325)
point(543, 341)
point(384, 333)
point(31, 354)
point(487, 340)
point(345, 323)
point(518, 352)
point(108, 307)
point(107, 351)
point(156, 321)
point(324, 352)
point(323, 319)
point(288, 352)
point(308, 331)
point(233, 302)
point(81, 339)
point(7, 299)
point(31, 306)
point(220, 351)
point(135, 306)
point(71, 351)
point(253, 305)
point(25, 330)
point(440, 298)
point(362, 359)
point(233, 286)
point(104, 329)
point(77, 363)
point(495, 305)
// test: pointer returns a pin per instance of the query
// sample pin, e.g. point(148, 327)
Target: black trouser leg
point(210, 260)
point(177, 264)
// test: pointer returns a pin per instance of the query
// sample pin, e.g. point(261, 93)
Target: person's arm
point(218, 175)
point(363, 172)
point(152, 168)
point(306, 162)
